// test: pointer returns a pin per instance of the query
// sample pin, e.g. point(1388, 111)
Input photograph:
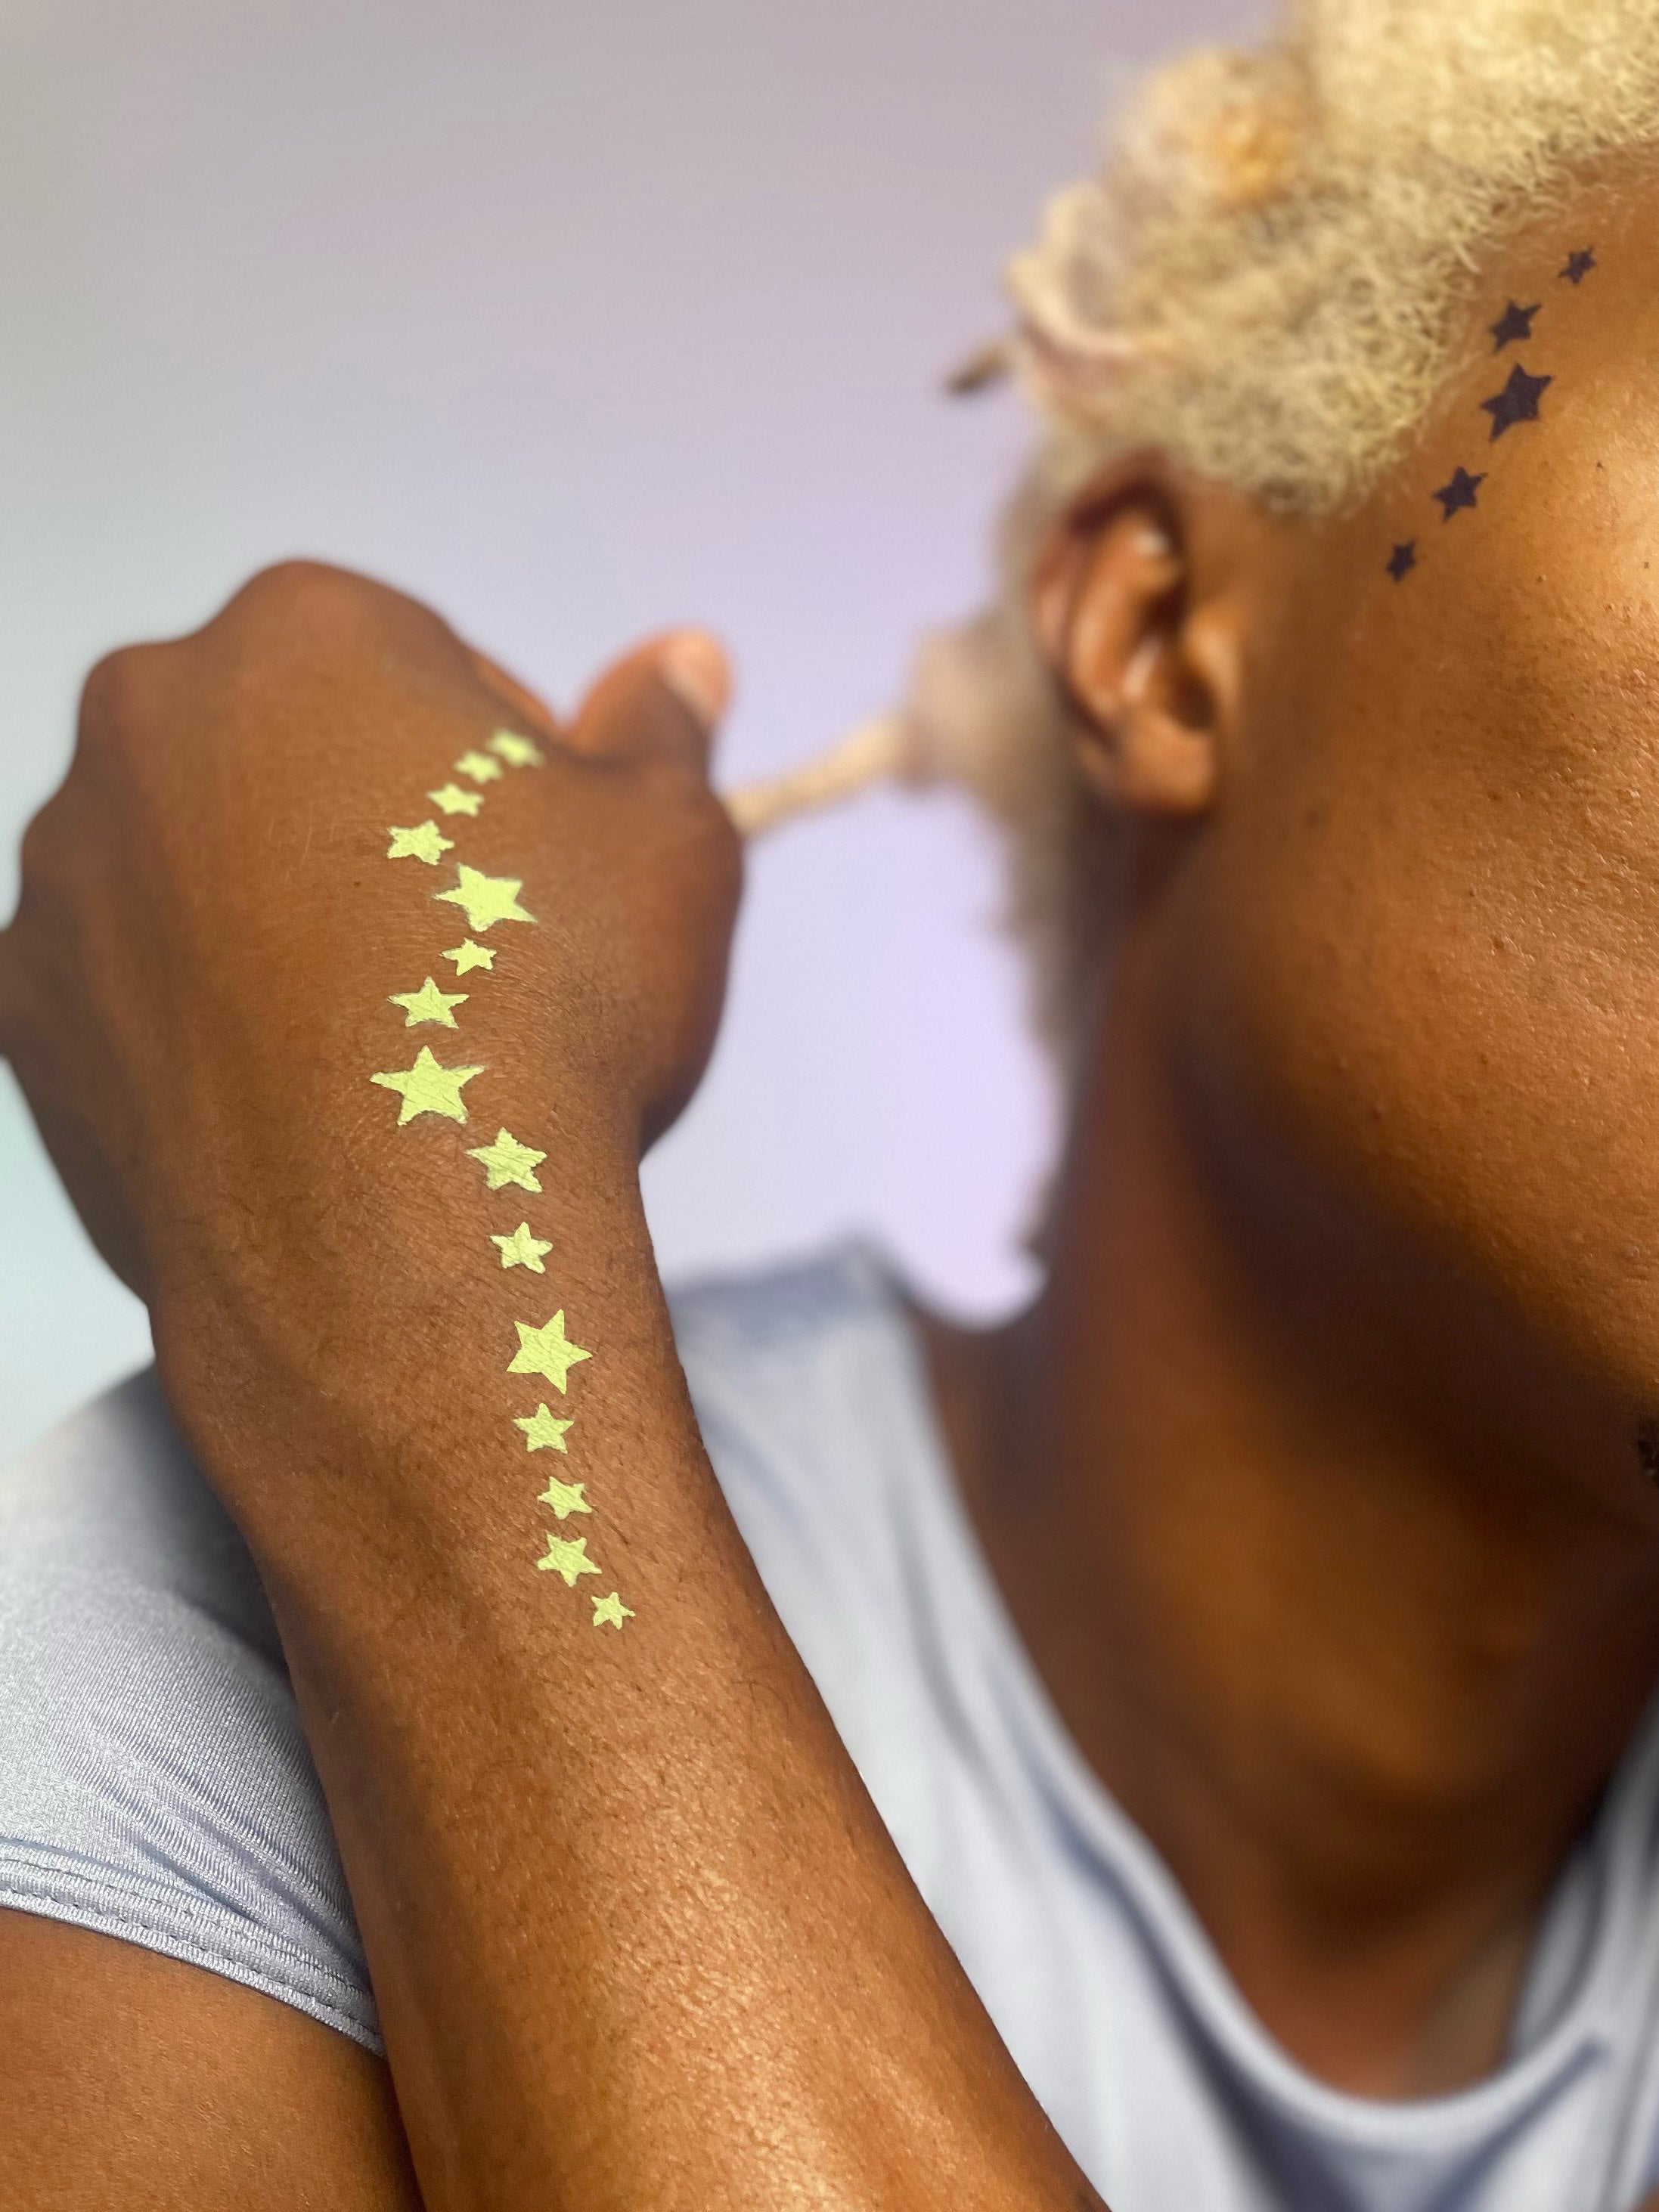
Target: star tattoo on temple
point(1459, 493)
point(1518, 402)
point(1579, 265)
point(1513, 326)
point(1402, 561)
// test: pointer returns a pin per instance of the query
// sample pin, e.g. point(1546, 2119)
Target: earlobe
point(1149, 760)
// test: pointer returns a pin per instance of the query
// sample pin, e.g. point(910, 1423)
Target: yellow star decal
point(479, 767)
point(567, 1556)
point(486, 900)
point(429, 1088)
point(565, 1498)
point(546, 1352)
point(544, 1431)
point(428, 1004)
point(467, 956)
point(516, 752)
point(454, 800)
point(425, 842)
point(611, 1611)
point(522, 1250)
point(509, 1161)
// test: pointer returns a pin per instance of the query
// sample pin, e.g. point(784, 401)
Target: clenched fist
point(198, 986)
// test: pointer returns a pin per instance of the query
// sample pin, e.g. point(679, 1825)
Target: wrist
point(337, 1366)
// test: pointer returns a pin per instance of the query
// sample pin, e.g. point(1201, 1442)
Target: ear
point(1147, 661)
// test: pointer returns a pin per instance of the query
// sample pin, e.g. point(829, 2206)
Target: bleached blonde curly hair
point(1269, 279)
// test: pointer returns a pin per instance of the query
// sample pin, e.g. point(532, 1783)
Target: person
point(1191, 1743)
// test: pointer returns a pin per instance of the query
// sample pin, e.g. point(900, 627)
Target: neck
point(1350, 1602)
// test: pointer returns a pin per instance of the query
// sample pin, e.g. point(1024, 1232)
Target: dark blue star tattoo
point(1402, 561)
point(1459, 493)
point(1518, 402)
point(1513, 326)
point(1579, 265)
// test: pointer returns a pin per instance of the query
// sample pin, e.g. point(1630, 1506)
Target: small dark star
point(1402, 561)
point(1513, 326)
point(1518, 402)
point(1579, 266)
point(1460, 492)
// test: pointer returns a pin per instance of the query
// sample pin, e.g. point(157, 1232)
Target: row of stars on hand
point(430, 1087)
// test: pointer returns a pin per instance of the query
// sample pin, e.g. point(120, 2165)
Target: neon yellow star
point(425, 842)
point(516, 752)
point(567, 1556)
point(454, 800)
point(509, 1161)
point(486, 900)
point(428, 1004)
point(565, 1498)
point(479, 767)
point(522, 1250)
point(429, 1087)
point(467, 956)
point(543, 1431)
point(546, 1352)
point(611, 1611)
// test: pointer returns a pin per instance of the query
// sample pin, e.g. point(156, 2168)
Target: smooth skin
point(1311, 1478)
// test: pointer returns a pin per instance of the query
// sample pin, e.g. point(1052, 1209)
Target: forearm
point(637, 1934)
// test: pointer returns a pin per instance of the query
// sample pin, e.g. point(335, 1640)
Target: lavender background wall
point(575, 321)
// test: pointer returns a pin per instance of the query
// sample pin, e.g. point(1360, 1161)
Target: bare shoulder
point(137, 2082)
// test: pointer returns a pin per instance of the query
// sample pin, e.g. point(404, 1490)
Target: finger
point(663, 700)
point(11, 991)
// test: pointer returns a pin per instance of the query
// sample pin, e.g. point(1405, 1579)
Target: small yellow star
point(565, 1498)
point(479, 767)
point(454, 800)
point(611, 1611)
point(522, 1250)
point(486, 900)
point(546, 1352)
point(543, 1431)
point(425, 842)
point(516, 752)
point(567, 1556)
point(428, 1004)
point(429, 1087)
point(509, 1161)
point(467, 956)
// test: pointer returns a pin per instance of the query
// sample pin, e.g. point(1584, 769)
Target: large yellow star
point(454, 800)
point(509, 1161)
point(486, 900)
point(428, 1004)
point(467, 956)
point(565, 1498)
point(516, 752)
point(611, 1611)
point(522, 1250)
point(546, 1352)
point(479, 767)
point(429, 1088)
point(567, 1556)
point(543, 1431)
point(425, 842)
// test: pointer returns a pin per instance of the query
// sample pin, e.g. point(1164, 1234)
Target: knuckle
point(115, 695)
point(309, 597)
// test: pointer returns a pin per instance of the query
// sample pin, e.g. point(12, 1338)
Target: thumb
point(664, 699)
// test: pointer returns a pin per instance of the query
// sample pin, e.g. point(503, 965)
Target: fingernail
point(693, 664)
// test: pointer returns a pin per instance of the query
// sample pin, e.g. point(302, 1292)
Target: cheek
point(1417, 967)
